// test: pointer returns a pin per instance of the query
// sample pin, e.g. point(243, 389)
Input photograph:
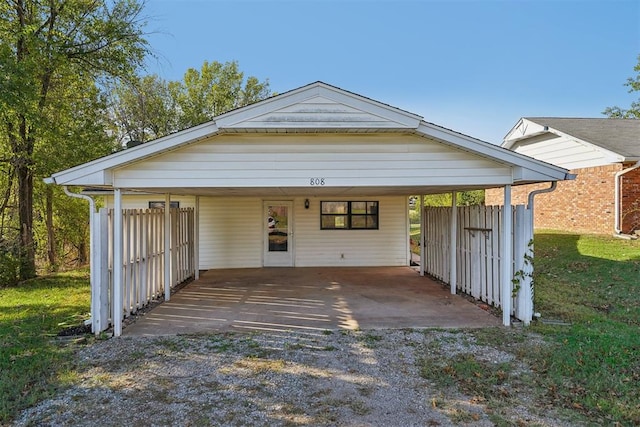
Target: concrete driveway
point(310, 299)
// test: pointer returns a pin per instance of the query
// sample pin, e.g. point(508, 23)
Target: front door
point(278, 233)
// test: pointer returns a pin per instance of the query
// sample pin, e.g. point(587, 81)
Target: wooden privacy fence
point(478, 253)
point(143, 255)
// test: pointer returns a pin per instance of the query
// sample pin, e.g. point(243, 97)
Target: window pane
point(358, 221)
point(372, 221)
point(335, 207)
point(358, 207)
point(372, 208)
point(334, 221)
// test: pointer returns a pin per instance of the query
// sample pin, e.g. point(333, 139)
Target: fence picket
point(143, 258)
point(478, 239)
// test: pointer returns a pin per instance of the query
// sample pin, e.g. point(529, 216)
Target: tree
point(215, 89)
point(45, 45)
point(75, 132)
point(634, 111)
point(463, 198)
point(143, 109)
point(149, 107)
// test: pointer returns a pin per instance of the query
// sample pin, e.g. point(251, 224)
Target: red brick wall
point(630, 201)
point(584, 205)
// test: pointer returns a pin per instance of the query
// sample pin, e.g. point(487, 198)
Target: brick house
point(604, 155)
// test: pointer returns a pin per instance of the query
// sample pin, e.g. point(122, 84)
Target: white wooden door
point(278, 234)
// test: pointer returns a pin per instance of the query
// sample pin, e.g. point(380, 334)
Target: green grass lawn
point(593, 283)
point(33, 363)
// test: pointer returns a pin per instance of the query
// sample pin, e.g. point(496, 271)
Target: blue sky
point(472, 66)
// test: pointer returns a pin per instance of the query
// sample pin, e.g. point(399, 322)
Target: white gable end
point(318, 106)
point(320, 112)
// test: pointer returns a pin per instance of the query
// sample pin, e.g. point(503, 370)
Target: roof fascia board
point(234, 118)
point(493, 152)
point(130, 155)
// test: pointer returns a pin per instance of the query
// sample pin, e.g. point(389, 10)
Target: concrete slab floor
point(310, 299)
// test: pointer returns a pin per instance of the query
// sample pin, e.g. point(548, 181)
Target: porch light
point(306, 203)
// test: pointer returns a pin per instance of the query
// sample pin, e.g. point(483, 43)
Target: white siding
point(387, 246)
point(231, 235)
point(230, 232)
point(264, 160)
point(562, 151)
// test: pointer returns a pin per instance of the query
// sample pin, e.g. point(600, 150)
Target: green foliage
point(32, 362)
point(633, 83)
point(143, 109)
point(463, 198)
point(214, 89)
point(9, 265)
point(148, 107)
point(52, 55)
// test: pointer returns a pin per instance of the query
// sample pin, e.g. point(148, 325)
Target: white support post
point(167, 247)
point(99, 271)
point(117, 262)
point(196, 239)
point(453, 250)
point(506, 244)
point(422, 233)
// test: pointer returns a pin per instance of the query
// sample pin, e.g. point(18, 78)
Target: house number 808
point(316, 181)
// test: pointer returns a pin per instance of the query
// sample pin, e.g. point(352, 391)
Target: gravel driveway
point(361, 378)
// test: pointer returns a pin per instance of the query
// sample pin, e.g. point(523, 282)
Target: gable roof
point(620, 136)
point(314, 108)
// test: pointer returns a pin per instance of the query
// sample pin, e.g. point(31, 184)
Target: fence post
point(117, 262)
point(523, 267)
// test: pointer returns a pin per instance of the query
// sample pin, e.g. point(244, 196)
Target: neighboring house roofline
point(594, 133)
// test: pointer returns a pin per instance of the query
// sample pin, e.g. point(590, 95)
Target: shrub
point(9, 265)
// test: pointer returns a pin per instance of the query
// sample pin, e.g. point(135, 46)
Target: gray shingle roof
point(621, 136)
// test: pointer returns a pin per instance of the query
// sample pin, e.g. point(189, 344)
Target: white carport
point(304, 149)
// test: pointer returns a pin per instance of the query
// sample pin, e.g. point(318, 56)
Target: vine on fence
point(521, 275)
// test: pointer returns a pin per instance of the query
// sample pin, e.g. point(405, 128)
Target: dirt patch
point(362, 378)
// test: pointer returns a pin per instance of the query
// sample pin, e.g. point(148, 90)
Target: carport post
point(453, 250)
point(117, 262)
point(196, 239)
point(422, 233)
point(167, 247)
point(506, 243)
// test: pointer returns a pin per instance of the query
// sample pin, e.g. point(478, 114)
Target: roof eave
point(491, 151)
point(130, 155)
